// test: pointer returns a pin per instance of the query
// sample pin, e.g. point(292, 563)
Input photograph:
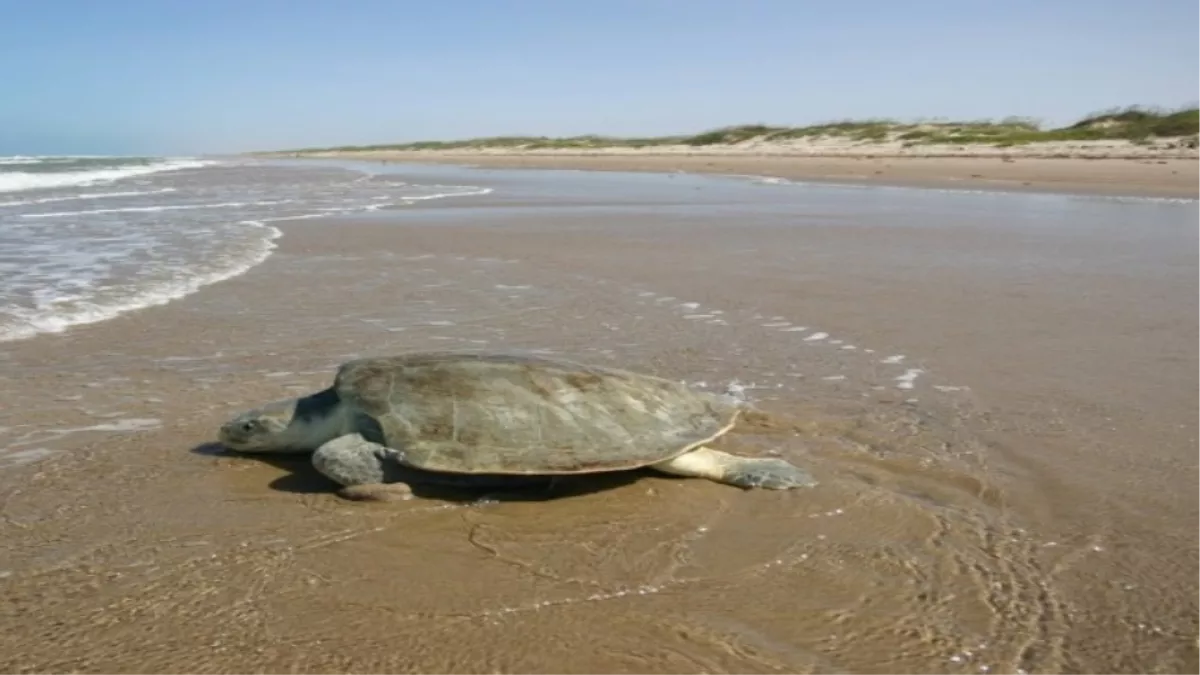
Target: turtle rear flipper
point(744, 472)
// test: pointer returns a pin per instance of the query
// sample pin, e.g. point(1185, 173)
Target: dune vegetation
point(1137, 124)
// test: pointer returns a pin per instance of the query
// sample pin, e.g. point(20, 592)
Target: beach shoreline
point(1145, 176)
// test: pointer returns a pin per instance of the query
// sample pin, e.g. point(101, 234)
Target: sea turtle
point(466, 418)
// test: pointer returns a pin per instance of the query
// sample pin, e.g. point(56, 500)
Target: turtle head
point(265, 429)
point(292, 425)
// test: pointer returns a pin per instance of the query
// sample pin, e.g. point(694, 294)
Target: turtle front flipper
point(365, 470)
point(744, 472)
point(368, 471)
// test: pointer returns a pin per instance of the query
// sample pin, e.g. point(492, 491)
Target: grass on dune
point(1139, 124)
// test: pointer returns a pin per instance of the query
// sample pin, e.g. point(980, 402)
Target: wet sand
point(1151, 176)
point(997, 394)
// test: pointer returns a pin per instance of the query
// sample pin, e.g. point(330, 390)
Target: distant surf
point(54, 172)
point(85, 239)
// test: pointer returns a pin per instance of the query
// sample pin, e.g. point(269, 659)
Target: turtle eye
point(249, 426)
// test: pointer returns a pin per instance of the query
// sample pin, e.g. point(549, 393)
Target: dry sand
point(1029, 503)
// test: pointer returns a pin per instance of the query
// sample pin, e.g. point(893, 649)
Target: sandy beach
point(1155, 176)
point(997, 392)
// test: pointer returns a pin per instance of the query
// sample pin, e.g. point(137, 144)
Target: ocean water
point(84, 239)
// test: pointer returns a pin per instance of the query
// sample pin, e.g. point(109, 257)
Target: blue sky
point(186, 76)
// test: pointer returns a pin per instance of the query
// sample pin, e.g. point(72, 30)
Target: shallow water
point(996, 393)
point(86, 239)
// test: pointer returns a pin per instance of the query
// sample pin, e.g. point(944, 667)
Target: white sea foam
point(87, 195)
point(906, 380)
point(16, 181)
point(39, 436)
point(155, 209)
point(164, 236)
point(455, 191)
point(19, 457)
point(52, 318)
point(988, 193)
point(45, 159)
